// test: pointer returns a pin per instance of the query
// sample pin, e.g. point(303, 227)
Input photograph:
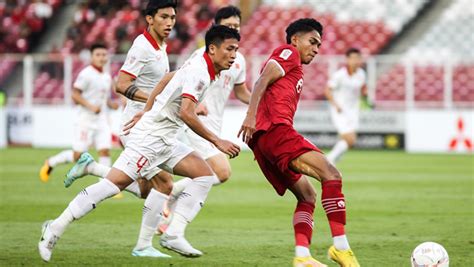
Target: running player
point(212, 109)
point(146, 64)
point(284, 155)
point(343, 93)
point(91, 93)
point(152, 142)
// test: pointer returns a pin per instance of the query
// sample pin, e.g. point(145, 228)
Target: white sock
point(151, 215)
point(216, 181)
point(189, 204)
point(59, 225)
point(179, 186)
point(134, 188)
point(97, 169)
point(84, 202)
point(341, 242)
point(65, 156)
point(339, 148)
point(301, 251)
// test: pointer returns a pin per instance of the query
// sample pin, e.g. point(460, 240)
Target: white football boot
point(180, 245)
point(47, 242)
point(149, 252)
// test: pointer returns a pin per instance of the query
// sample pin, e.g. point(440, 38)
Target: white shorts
point(204, 148)
point(345, 122)
point(146, 156)
point(85, 135)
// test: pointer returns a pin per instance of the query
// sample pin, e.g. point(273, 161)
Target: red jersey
point(280, 99)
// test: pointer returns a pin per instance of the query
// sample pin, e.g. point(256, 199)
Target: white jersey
point(95, 86)
point(147, 62)
point(346, 88)
point(191, 81)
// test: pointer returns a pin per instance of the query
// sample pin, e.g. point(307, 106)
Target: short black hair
point(352, 50)
point(227, 12)
point(303, 25)
point(153, 6)
point(217, 34)
point(97, 46)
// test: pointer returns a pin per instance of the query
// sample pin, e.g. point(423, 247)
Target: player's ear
point(149, 19)
point(212, 49)
point(294, 39)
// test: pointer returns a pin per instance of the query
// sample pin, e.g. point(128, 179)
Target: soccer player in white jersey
point(343, 93)
point(145, 65)
point(152, 142)
point(91, 93)
point(212, 109)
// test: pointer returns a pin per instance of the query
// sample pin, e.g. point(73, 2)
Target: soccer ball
point(429, 254)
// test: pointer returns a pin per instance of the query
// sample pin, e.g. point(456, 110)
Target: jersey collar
point(151, 40)
point(210, 66)
point(97, 68)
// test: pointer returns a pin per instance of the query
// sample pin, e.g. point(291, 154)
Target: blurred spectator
point(84, 14)
point(42, 9)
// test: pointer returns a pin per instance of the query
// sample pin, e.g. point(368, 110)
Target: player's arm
point(271, 73)
point(126, 87)
point(149, 103)
point(242, 93)
point(80, 100)
point(330, 98)
point(188, 115)
point(112, 104)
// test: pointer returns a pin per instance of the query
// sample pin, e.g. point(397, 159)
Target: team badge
point(285, 54)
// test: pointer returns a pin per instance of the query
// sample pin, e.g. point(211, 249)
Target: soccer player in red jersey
point(284, 155)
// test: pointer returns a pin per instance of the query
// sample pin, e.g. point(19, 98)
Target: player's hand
point(247, 129)
point(129, 125)
point(95, 109)
point(228, 148)
point(201, 109)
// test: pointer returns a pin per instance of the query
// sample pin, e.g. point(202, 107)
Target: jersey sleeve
point(334, 80)
point(193, 85)
point(82, 81)
point(134, 62)
point(241, 72)
point(287, 58)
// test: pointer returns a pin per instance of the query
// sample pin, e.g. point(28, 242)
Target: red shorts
point(274, 149)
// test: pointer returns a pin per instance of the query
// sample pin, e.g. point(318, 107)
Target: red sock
point(334, 205)
point(303, 223)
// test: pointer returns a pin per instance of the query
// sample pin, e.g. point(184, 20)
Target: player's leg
point(221, 167)
point(303, 222)
point(346, 126)
point(159, 186)
point(190, 203)
point(316, 165)
point(82, 204)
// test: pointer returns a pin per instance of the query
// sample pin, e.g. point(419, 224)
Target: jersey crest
point(285, 54)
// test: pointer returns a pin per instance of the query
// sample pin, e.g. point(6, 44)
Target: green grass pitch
point(395, 201)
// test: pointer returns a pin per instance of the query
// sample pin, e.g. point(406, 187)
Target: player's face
point(99, 57)
point(224, 55)
point(163, 22)
point(231, 22)
point(308, 45)
point(354, 60)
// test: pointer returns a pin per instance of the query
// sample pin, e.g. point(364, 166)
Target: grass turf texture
point(395, 201)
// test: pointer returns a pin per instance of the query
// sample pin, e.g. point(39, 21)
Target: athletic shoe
point(149, 252)
point(47, 242)
point(45, 171)
point(180, 245)
point(79, 169)
point(307, 262)
point(345, 258)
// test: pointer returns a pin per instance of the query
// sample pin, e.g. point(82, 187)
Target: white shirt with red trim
point(191, 81)
point(347, 88)
point(147, 62)
point(218, 94)
point(95, 85)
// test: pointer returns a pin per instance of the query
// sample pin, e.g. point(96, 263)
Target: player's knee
point(333, 174)
point(223, 174)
